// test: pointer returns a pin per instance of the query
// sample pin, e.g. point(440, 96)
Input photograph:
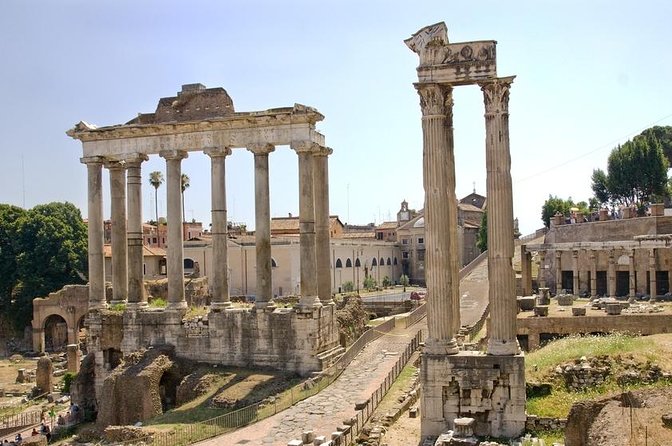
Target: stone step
point(329, 357)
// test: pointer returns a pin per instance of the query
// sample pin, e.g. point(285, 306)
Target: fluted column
point(558, 271)
point(321, 186)
point(541, 274)
point(118, 219)
point(175, 249)
point(593, 274)
point(218, 276)
point(611, 275)
point(94, 167)
point(575, 273)
point(309, 298)
point(652, 275)
point(526, 270)
point(441, 263)
point(136, 287)
point(632, 278)
point(262, 223)
point(502, 286)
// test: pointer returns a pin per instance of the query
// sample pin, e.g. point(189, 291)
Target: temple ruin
point(302, 339)
point(488, 387)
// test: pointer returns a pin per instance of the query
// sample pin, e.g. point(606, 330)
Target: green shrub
point(68, 378)
point(158, 302)
point(348, 287)
point(386, 281)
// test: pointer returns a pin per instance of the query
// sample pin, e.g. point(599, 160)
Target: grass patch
point(194, 312)
point(540, 366)
point(158, 302)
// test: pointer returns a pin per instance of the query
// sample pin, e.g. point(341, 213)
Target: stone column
point(593, 274)
point(321, 187)
point(611, 275)
point(136, 287)
point(118, 212)
point(526, 270)
point(441, 262)
point(652, 275)
point(262, 219)
point(309, 298)
point(541, 274)
point(502, 289)
point(218, 277)
point(175, 249)
point(575, 273)
point(632, 277)
point(94, 166)
point(558, 272)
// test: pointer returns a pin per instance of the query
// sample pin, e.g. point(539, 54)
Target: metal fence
point(11, 423)
point(413, 317)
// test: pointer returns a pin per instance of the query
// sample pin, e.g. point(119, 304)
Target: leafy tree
point(482, 237)
point(51, 243)
point(156, 180)
point(9, 250)
point(369, 282)
point(552, 206)
point(403, 280)
point(636, 174)
point(386, 281)
point(663, 134)
point(184, 184)
point(348, 287)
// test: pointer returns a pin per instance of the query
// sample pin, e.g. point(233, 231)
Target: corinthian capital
point(496, 94)
point(435, 99)
point(262, 148)
point(305, 146)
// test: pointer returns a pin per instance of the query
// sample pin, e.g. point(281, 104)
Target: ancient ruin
point(487, 387)
point(303, 339)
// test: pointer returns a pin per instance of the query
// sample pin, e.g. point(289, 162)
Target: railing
point(11, 423)
point(192, 433)
point(413, 317)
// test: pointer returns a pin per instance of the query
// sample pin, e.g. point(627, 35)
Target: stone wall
point(610, 230)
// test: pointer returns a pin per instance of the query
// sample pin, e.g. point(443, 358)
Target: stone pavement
point(324, 412)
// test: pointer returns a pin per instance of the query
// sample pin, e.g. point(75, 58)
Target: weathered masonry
point(203, 120)
point(490, 388)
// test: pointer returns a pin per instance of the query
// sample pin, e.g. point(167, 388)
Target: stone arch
point(374, 262)
point(55, 332)
point(381, 262)
point(358, 264)
point(348, 263)
point(339, 264)
point(389, 261)
point(168, 384)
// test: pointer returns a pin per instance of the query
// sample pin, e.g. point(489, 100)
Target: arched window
point(395, 261)
point(273, 263)
point(188, 263)
point(358, 264)
point(339, 264)
point(374, 262)
point(348, 263)
point(382, 262)
point(389, 261)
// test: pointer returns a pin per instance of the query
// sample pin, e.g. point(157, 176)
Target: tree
point(51, 253)
point(348, 286)
point(156, 180)
point(663, 134)
point(9, 250)
point(369, 282)
point(482, 237)
point(403, 281)
point(184, 184)
point(636, 174)
point(552, 206)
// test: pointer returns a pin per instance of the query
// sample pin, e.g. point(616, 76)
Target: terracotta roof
point(469, 207)
point(387, 225)
point(291, 224)
point(146, 251)
point(359, 234)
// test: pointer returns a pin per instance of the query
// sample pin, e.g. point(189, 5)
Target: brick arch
point(71, 303)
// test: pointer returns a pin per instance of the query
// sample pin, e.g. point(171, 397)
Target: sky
point(589, 75)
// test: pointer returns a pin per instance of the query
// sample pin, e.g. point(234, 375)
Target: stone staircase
point(329, 357)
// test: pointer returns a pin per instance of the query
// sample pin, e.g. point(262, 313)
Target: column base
point(328, 302)
point(97, 305)
point(441, 347)
point(172, 306)
point(498, 347)
point(308, 304)
point(220, 306)
point(265, 306)
point(118, 302)
point(135, 306)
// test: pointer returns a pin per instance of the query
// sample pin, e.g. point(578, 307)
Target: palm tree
point(185, 185)
point(156, 180)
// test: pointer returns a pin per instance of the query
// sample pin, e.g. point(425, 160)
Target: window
point(339, 264)
point(273, 263)
point(379, 235)
point(382, 262)
point(421, 240)
point(404, 255)
point(394, 262)
point(348, 263)
point(404, 241)
point(421, 256)
point(358, 264)
point(374, 262)
point(154, 240)
point(389, 261)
